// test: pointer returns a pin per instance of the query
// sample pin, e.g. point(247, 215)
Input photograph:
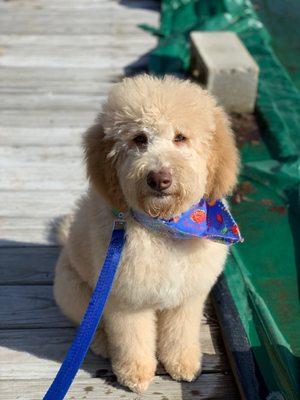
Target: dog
point(158, 146)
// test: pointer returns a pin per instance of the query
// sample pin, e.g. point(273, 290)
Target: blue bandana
point(211, 220)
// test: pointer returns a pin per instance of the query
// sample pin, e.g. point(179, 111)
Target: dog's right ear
point(223, 161)
point(101, 170)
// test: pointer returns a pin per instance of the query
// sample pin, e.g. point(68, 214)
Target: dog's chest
point(160, 272)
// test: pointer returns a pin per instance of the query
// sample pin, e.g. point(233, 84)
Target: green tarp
point(263, 273)
point(281, 18)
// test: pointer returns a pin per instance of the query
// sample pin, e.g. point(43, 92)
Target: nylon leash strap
point(91, 319)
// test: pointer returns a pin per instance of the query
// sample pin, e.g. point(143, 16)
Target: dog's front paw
point(184, 366)
point(135, 374)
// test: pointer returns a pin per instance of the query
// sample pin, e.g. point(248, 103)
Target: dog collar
point(211, 220)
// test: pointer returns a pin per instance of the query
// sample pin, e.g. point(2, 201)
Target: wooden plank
point(47, 118)
point(85, 5)
point(33, 137)
point(28, 265)
point(44, 176)
point(73, 41)
point(78, 14)
point(32, 20)
point(63, 76)
point(44, 204)
point(19, 180)
point(69, 58)
point(29, 233)
point(21, 225)
point(207, 386)
point(52, 101)
point(68, 27)
point(65, 51)
point(57, 4)
point(111, 21)
point(30, 306)
point(33, 154)
point(37, 353)
point(39, 11)
point(88, 88)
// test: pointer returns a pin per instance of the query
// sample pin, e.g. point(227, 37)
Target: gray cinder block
point(223, 64)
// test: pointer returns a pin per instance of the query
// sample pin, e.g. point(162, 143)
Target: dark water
point(282, 19)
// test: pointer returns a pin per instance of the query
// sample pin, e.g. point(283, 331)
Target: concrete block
point(225, 67)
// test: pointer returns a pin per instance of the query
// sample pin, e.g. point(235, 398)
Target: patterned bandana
point(211, 220)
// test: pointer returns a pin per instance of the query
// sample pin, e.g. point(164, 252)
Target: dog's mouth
point(161, 204)
point(164, 194)
point(160, 194)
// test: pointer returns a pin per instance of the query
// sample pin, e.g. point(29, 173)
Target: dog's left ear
point(223, 160)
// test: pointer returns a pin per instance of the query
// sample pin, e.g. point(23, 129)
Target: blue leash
point(92, 316)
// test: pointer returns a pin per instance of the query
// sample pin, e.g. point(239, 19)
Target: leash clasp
point(120, 221)
point(119, 224)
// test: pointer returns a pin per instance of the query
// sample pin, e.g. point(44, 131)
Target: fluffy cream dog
point(159, 145)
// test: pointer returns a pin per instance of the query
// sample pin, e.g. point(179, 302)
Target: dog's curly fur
point(155, 307)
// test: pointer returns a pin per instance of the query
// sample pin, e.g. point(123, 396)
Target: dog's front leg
point(179, 339)
point(132, 346)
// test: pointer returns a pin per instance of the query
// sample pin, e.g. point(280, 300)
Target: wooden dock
point(57, 62)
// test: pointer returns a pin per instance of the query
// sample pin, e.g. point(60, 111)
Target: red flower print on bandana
point(234, 229)
point(219, 218)
point(198, 216)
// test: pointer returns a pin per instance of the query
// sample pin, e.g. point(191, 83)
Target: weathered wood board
point(207, 386)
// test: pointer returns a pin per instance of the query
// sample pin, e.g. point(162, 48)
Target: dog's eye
point(141, 139)
point(179, 138)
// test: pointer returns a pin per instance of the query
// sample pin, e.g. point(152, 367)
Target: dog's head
point(160, 145)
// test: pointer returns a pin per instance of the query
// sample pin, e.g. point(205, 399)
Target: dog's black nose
point(160, 180)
